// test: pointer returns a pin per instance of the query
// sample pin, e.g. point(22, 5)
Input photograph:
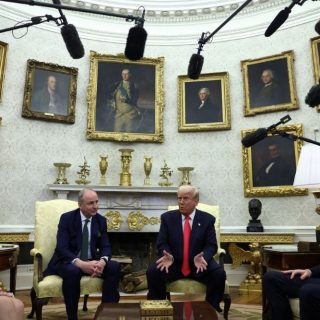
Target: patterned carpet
point(57, 311)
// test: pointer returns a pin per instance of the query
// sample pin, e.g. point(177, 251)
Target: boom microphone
point(136, 42)
point(72, 41)
point(195, 66)
point(281, 17)
point(254, 137)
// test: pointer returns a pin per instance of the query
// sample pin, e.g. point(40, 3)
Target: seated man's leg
point(310, 300)
point(71, 276)
point(11, 308)
point(157, 281)
point(278, 287)
point(111, 277)
point(214, 278)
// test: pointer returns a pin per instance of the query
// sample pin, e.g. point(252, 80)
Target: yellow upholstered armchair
point(190, 286)
point(47, 215)
point(294, 304)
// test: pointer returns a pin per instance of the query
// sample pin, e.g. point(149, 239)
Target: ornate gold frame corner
point(205, 80)
point(265, 62)
point(110, 63)
point(67, 74)
point(3, 60)
point(270, 191)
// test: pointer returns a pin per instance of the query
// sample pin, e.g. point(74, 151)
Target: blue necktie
point(85, 241)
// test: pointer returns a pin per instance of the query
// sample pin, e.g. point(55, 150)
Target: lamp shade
point(308, 169)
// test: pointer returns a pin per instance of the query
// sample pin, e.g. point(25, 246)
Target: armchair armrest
point(37, 264)
point(219, 256)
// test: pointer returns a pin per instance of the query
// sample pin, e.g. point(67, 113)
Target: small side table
point(8, 260)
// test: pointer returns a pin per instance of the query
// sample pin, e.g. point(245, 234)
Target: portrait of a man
point(50, 92)
point(125, 98)
point(203, 102)
point(273, 162)
point(269, 84)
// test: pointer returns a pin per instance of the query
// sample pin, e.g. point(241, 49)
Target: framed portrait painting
point(204, 104)
point(269, 166)
point(125, 99)
point(50, 92)
point(269, 84)
point(315, 49)
point(3, 57)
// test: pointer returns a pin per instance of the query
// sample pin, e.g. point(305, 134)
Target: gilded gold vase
point(147, 170)
point(103, 166)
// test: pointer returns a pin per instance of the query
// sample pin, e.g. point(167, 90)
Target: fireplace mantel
point(128, 209)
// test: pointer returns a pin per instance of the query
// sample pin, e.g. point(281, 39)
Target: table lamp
point(308, 175)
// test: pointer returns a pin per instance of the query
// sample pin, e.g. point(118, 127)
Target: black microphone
point(72, 41)
point(317, 27)
point(195, 66)
point(281, 17)
point(254, 137)
point(313, 96)
point(136, 42)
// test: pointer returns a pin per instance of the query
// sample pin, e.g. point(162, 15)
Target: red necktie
point(186, 240)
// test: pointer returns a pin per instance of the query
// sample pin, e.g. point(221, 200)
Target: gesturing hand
point(165, 261)
point(200, 262)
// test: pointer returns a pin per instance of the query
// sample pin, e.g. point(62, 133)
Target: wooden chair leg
point(227, 304)
point(39, 304)
point(33, 305)
point(85, 302)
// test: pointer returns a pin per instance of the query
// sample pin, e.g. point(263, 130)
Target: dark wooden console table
point(285, 260)
point(8, 260)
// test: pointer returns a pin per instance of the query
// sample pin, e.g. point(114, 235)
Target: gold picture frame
point(125, 99)
point(3, 59)
point(269, 84)
point(315, 49)
point(50, 92)
point(210, 112)
point(263, 161)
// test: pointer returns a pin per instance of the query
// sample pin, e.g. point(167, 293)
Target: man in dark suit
point(180, 260)
point(299, 283)
point(205, 111)
point(83, 248)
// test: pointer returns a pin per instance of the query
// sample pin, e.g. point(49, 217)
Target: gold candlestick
point(147, 169)
point(61, 179)
point(103, 166)
point(185, 175)
point(125, 175)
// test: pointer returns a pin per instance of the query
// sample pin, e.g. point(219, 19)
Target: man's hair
point(207, 91)
point(191, 189)
point(269, 71)
point(82, 193)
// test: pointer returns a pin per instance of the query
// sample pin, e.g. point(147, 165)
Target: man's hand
point(165, 261)
point(93, 268)
point(200, 262)
point(304, 273)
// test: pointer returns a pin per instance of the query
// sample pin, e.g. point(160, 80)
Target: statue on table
point(254, 224)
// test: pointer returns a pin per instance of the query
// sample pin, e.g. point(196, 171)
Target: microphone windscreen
point(281, 17)
point(136, 42)
point(195, 66)
point(71, 39)
point(317, 27)
point(254, 137)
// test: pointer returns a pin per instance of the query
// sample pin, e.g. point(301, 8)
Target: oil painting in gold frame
point(50, 92)
point(204, 104)
point(3, 58)
point(125, 99)
point(315, 48)
point(269, 165)
point(269, 84)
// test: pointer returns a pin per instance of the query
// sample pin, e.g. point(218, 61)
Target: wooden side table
point(8, 260)
point(285, 260)
point(252, 282)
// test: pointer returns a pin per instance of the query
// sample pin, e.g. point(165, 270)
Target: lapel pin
point(199, 224)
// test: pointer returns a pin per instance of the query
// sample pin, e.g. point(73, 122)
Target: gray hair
point(206, 90)
point(193, 190)
point(82, 193)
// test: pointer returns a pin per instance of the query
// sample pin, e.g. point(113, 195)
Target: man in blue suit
point(83, 248)
point(171, 243)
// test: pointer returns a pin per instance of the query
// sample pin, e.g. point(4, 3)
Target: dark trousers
point(214, 278)
point(71, 276)
point(278, 288)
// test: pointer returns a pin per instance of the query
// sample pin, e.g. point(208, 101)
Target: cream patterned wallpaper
point(28, 148)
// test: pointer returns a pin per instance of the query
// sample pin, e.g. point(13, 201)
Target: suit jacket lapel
point(78, 227)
